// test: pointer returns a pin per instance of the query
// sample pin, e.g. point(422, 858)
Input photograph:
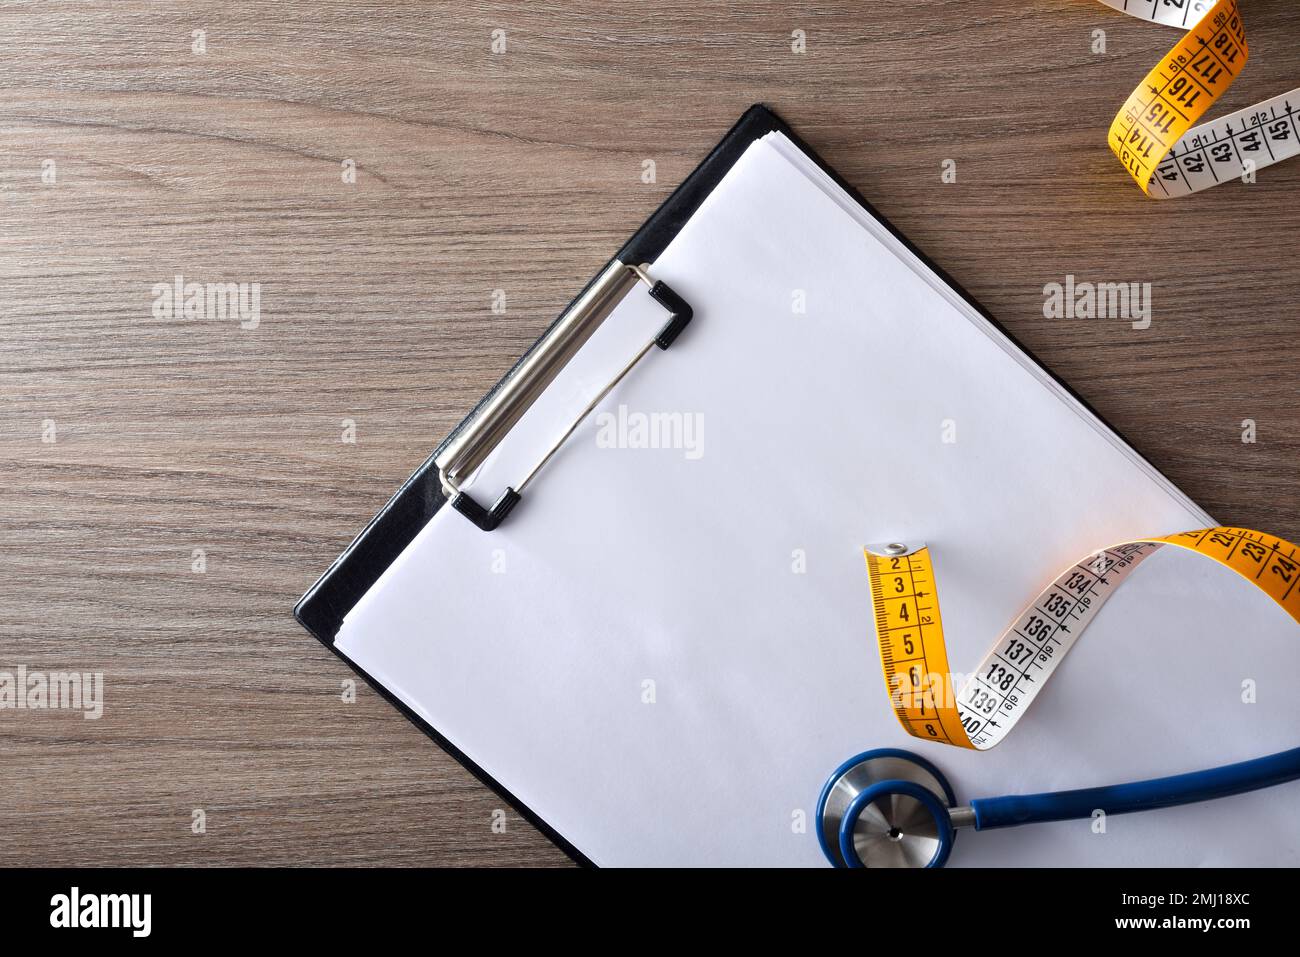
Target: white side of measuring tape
point(1230, 147)
point(1019, 665)
point(1183, 14)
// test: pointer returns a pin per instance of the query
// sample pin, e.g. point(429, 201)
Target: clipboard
point(435, 484)
point(322, 609)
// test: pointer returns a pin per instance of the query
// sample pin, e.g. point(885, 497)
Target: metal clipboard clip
point(470, 445)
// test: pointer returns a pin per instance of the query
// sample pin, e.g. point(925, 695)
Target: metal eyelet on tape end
point(895, 549)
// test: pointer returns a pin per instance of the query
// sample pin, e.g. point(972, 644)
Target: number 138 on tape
point(980, 713)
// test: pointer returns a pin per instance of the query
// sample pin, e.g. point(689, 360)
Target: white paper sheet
point(533, 648)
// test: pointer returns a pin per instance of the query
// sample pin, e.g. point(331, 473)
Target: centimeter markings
point(1249, 139)
point(885, 639)
point(915, 660)
point(912, 652)
point(1018, 667)
point(1172, 13)
point(1252, 554)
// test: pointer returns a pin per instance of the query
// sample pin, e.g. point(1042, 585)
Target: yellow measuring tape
point(983, 710)
point(1155, 136)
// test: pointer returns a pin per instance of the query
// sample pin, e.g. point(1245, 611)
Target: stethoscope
point(892, 808)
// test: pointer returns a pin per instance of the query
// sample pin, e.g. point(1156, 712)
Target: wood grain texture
point(476, 172)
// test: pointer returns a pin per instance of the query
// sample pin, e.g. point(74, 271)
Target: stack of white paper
point(663, 652)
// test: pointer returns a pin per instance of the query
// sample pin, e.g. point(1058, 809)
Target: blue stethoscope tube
point(921, 786)
point(1191, 788)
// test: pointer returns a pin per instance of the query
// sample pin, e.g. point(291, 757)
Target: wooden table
point(477, 171)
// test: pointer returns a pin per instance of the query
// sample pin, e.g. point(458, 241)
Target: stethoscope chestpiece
point(886, 808)
point(891, 808)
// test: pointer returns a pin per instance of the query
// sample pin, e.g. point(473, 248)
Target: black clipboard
point(322, 609)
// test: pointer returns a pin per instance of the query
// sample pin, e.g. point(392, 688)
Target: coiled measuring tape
point(987, 706)
point(1154, 135)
